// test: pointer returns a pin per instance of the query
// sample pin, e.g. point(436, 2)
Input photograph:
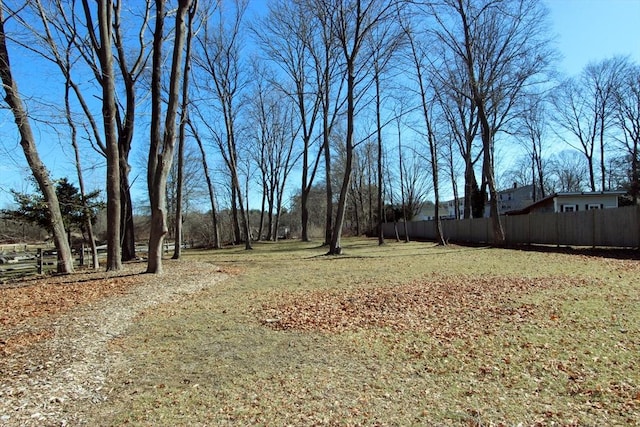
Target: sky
point(591, 30)
point(583, 30)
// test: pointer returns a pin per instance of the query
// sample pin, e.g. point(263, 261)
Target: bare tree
point(163, 138)
point(103, 46)
point(385, 43)
point(286, 36)
point(532, 130)
point(569, 171)
point(76, 150)
point(184, 117)
point(573, 116)
point(274, 136)
point(131, 65)
point(327, 71)
point(402, 169)
point(602, 80)
point(211, 190)
point(425, 85)
point(584, 110)
point(504, 47)
point(354, 20)
point(61, 22)
point(628, 119)
point(219, 60)
point(27, 141)
point(460, 112)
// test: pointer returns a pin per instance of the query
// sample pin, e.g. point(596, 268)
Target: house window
point(593, 206)
point(568, 208)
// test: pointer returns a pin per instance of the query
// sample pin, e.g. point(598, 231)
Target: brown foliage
point(43, 298)
point(444, 306)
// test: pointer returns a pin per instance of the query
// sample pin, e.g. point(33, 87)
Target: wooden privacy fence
point(618, 227)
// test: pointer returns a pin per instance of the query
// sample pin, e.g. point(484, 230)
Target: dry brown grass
point(394, 335)
point(403, 334)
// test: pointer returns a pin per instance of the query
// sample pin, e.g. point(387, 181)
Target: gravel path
point(42, 383)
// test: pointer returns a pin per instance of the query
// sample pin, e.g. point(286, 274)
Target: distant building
point(511, 199)
point(428, 212)
point(572, 202)
point(450, 208)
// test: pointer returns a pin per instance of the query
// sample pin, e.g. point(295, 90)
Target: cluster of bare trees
point(362, 98)
point(88, 40)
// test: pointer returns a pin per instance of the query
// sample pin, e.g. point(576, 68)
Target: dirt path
point(54, 358)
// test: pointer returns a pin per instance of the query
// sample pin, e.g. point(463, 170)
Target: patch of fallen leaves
point(23, 302)
point(443, 306)
point(21, 339)
point(57, 332)
point(52, 295)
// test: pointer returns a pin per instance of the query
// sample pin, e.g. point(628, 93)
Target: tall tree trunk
point(126, 127)
point(440, 240)
point(592, 175)
point(127, 227)
point(486, 132)
point(177, 244)
point(105, 56)
point(431, 137)
point(335, 247)
point(163, 143)
point(237, 236)
point(380, 201)
point(184, 117)
point(270, 222)
point(454, 187)
point(85, 209)
point(326, 143)
point(304, 215)
point(244, 213)
point(210, 188)
point(328, 223)
point(27, 141)
point(494, 214)
point(469, 179)
point(402, 198)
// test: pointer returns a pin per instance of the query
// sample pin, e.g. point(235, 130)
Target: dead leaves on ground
point(35, 300)
point(443, 306)
point(54, 295)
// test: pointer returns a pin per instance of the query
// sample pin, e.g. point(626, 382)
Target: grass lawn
point(403, 334)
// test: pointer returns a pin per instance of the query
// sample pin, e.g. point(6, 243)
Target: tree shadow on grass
point(611, 253)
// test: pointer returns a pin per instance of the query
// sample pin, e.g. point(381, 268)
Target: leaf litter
point(444, 306)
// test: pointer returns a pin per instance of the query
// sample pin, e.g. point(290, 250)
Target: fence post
point(40, 261)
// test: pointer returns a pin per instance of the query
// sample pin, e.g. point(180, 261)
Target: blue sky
point(585, 30)
point(591, 30)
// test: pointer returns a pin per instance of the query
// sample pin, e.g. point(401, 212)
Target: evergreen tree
point(33, 209)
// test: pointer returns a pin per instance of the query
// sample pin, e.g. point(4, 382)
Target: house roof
point(544, 201)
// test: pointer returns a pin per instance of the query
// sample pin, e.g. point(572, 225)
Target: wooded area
point(376, 105)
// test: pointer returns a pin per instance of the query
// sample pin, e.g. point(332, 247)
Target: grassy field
point(403, 334)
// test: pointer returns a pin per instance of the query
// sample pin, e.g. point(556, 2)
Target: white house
point(512, 198)
point(572, 202)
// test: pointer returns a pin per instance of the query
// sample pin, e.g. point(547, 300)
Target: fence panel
point(618, 227)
